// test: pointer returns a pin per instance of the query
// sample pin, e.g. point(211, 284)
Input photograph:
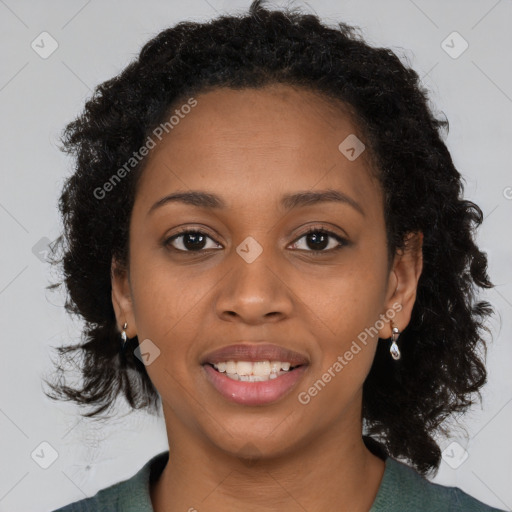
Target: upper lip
point(255, 352)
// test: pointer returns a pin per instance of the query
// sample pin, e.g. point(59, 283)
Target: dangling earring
point(394, 350)
point(123, 335)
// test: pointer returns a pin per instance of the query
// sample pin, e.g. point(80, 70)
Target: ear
point(403, 283)
point(122, 298)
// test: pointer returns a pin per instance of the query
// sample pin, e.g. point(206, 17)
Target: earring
point(123, 335)
point(394, 350)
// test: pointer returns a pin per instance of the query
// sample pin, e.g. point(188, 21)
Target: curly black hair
point(405, 402)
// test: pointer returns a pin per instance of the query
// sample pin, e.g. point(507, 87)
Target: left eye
point(318, 241)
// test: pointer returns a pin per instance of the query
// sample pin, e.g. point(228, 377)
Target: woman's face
point(251, 278)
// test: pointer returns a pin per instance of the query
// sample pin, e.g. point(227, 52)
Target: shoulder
point(403, 489)
point(131, 495)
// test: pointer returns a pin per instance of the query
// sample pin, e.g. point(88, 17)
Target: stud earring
point(394, 350)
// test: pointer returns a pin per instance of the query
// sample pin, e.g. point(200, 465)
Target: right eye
point(190, 241)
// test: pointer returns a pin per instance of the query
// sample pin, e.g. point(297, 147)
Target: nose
point(254, 293)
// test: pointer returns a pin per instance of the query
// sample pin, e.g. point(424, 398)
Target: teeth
point(244, 367)
point(275, 366)
point(261, 368)
point(254, 378)
point(248, 371)
point(230, 367)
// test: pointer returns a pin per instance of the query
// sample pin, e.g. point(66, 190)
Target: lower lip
point(254, 393)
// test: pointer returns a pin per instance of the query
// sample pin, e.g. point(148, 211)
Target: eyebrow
point(288, 201)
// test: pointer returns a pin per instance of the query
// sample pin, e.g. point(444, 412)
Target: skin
point(251, 147)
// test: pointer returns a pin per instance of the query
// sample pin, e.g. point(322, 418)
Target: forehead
point(253, 143)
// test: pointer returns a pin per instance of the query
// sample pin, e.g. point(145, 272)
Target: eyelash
point(342, 241)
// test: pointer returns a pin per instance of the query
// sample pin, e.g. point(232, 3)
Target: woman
point(266, 236)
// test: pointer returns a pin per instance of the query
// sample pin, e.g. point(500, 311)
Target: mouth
point(254, 374)
point(257, 371)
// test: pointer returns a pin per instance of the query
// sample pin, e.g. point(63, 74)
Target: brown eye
point(190, 241)
point(320, 241)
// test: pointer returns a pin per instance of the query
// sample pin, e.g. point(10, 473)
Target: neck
point(199, 476)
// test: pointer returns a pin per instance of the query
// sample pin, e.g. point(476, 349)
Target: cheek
point(165, 305)
point(347, 299)
point(160, 291)
point(345, 310)
point(344, 354)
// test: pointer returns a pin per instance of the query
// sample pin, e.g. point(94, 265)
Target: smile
point(253, 383)
point(257, 371)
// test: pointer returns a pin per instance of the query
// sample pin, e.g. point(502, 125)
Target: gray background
point(95, 41)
